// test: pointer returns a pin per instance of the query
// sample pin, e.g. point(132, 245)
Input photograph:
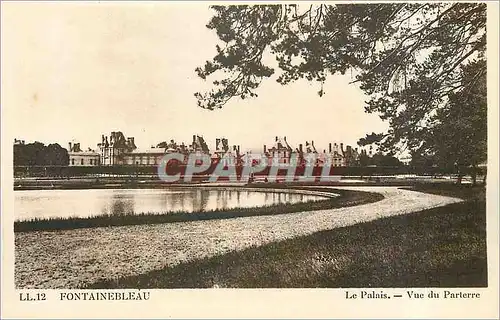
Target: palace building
point(280, 151)
point(80, 158)
point(116, 150)
point(232, 155)
point(119, 150)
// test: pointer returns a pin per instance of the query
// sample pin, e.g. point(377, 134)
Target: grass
point(346, 198)
point(465, 192)
point(439, 247)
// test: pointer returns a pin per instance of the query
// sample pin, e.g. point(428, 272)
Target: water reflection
point(84, 203)
point(120, 205)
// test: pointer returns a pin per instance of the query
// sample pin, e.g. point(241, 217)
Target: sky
point(74, 71)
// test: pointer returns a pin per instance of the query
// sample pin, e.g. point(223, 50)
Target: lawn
point(439, 247)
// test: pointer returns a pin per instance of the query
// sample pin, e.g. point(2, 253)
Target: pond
point(85, 203)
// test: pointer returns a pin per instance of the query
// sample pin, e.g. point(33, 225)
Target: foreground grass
point(465, 192)
point(346, 198)
point(440, 247)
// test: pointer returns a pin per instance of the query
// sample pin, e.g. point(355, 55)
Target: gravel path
point(70, 258)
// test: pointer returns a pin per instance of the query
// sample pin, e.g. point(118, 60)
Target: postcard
point(173, 159)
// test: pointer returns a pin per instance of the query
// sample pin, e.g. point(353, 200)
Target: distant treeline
point(38, 154)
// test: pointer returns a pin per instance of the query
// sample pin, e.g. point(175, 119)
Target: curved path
point(70, 258)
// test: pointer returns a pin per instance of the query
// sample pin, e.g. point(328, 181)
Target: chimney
point(284, 138)
point(300, 148)
point(330, 147)
point(276, 139)
point(265, 150)
point(70, 149)
point(341, 147)
point(238, 149)
point(312, 143)
point(194, 138)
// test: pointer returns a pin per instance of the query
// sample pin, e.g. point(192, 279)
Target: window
point(81, 162)
point(73, 161)
point(91, 162)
